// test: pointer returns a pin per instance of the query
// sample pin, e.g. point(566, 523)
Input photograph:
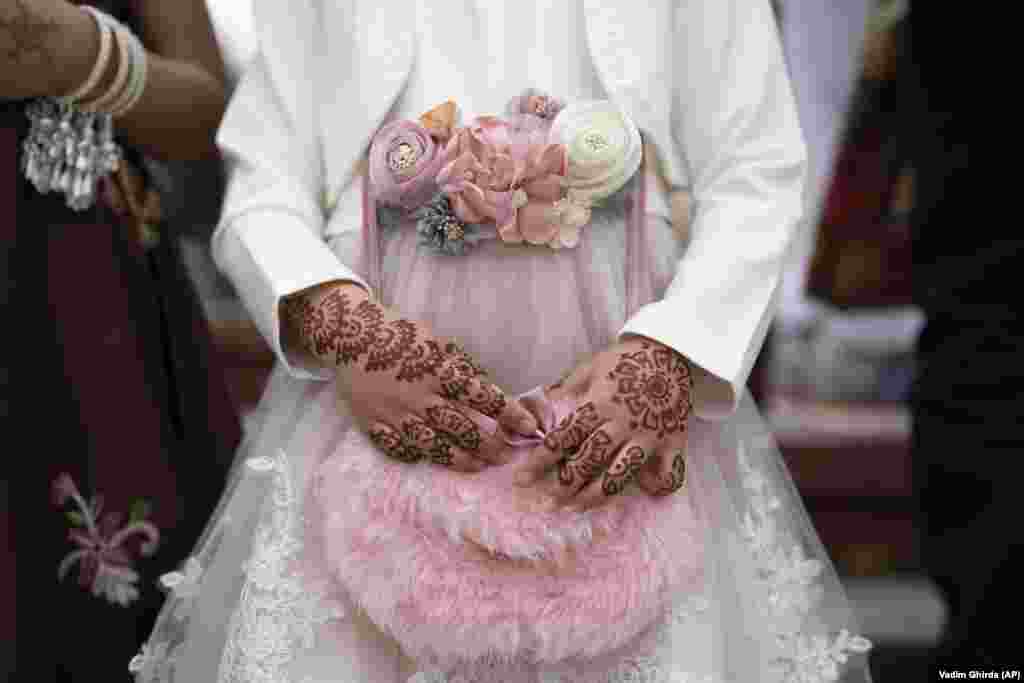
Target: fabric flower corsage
point(404, 161)
point(532, 176)
point(105, 549)
point(506, 177)
point(442, 231)
point(441, 121)
point(604, 146)
point(604, 150)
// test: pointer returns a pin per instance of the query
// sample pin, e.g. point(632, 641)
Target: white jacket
point(705, 80)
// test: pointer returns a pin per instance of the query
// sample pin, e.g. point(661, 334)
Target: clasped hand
point(417, 397)
point(634, 405)
point(421, 398)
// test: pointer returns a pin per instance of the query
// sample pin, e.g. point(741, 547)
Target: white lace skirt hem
point(253, 605)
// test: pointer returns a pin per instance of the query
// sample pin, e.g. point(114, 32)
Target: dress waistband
point(530, 174)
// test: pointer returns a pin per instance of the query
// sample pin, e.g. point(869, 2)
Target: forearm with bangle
point(70, 146)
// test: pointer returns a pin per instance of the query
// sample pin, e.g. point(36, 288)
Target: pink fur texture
point(469, 568)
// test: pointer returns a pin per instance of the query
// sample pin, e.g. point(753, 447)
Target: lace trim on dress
point(280, 610)
point(792, 591)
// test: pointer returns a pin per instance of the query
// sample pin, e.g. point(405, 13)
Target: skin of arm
point(48, 48)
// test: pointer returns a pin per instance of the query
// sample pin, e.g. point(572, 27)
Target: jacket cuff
point(270, 255)
point(721, 360)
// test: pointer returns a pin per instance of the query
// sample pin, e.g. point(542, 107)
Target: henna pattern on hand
point(460, 381)
point(587, 463)
point(456, 426)
point(332, 328)
point(415, 441)
point(390, 441)
point(655, 385)
point(388, 345)
point(672, 481)
point(418, 434)
point(485, 398)
point(623, 470)
point(422, 359)
point(453, 349)
point(574, 429)
point(441, 452)
point(23, 34)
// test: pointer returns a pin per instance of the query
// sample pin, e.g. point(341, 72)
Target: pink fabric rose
point(404, 161)
point(507, 175)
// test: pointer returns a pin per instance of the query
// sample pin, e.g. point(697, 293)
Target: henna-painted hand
point(417, 397)
point(634, 406)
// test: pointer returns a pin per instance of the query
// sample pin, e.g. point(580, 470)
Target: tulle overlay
point(746, 592)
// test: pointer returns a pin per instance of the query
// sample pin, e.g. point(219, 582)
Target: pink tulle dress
point(327, 562)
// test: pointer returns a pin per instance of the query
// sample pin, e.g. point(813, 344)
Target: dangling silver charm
point(68, 151)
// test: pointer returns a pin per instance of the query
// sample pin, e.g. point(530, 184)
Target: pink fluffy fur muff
point(466, 568)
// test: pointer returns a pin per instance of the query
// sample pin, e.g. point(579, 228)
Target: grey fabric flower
point(441, 230)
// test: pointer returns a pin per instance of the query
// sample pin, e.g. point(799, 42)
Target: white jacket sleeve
point(736, 121)
point(270, 239)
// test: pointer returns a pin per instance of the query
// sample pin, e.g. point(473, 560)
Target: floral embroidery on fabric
point(280, 608)
point(792, 592)
point(106, 549)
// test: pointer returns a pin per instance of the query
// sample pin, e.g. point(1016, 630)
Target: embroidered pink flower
point(507, 175)
point(63, 489)
point(104, 553)
point(404, 161)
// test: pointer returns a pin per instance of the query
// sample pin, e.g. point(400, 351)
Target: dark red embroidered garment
point(118, 388)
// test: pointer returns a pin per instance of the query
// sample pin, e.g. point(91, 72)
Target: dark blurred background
point(835, 373)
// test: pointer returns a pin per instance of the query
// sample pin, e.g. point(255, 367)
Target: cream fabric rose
point(604, 148)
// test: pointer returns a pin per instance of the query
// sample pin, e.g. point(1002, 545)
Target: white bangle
point(137, 85)
point(119, 95)
point(99, 67)
point(103, 102)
